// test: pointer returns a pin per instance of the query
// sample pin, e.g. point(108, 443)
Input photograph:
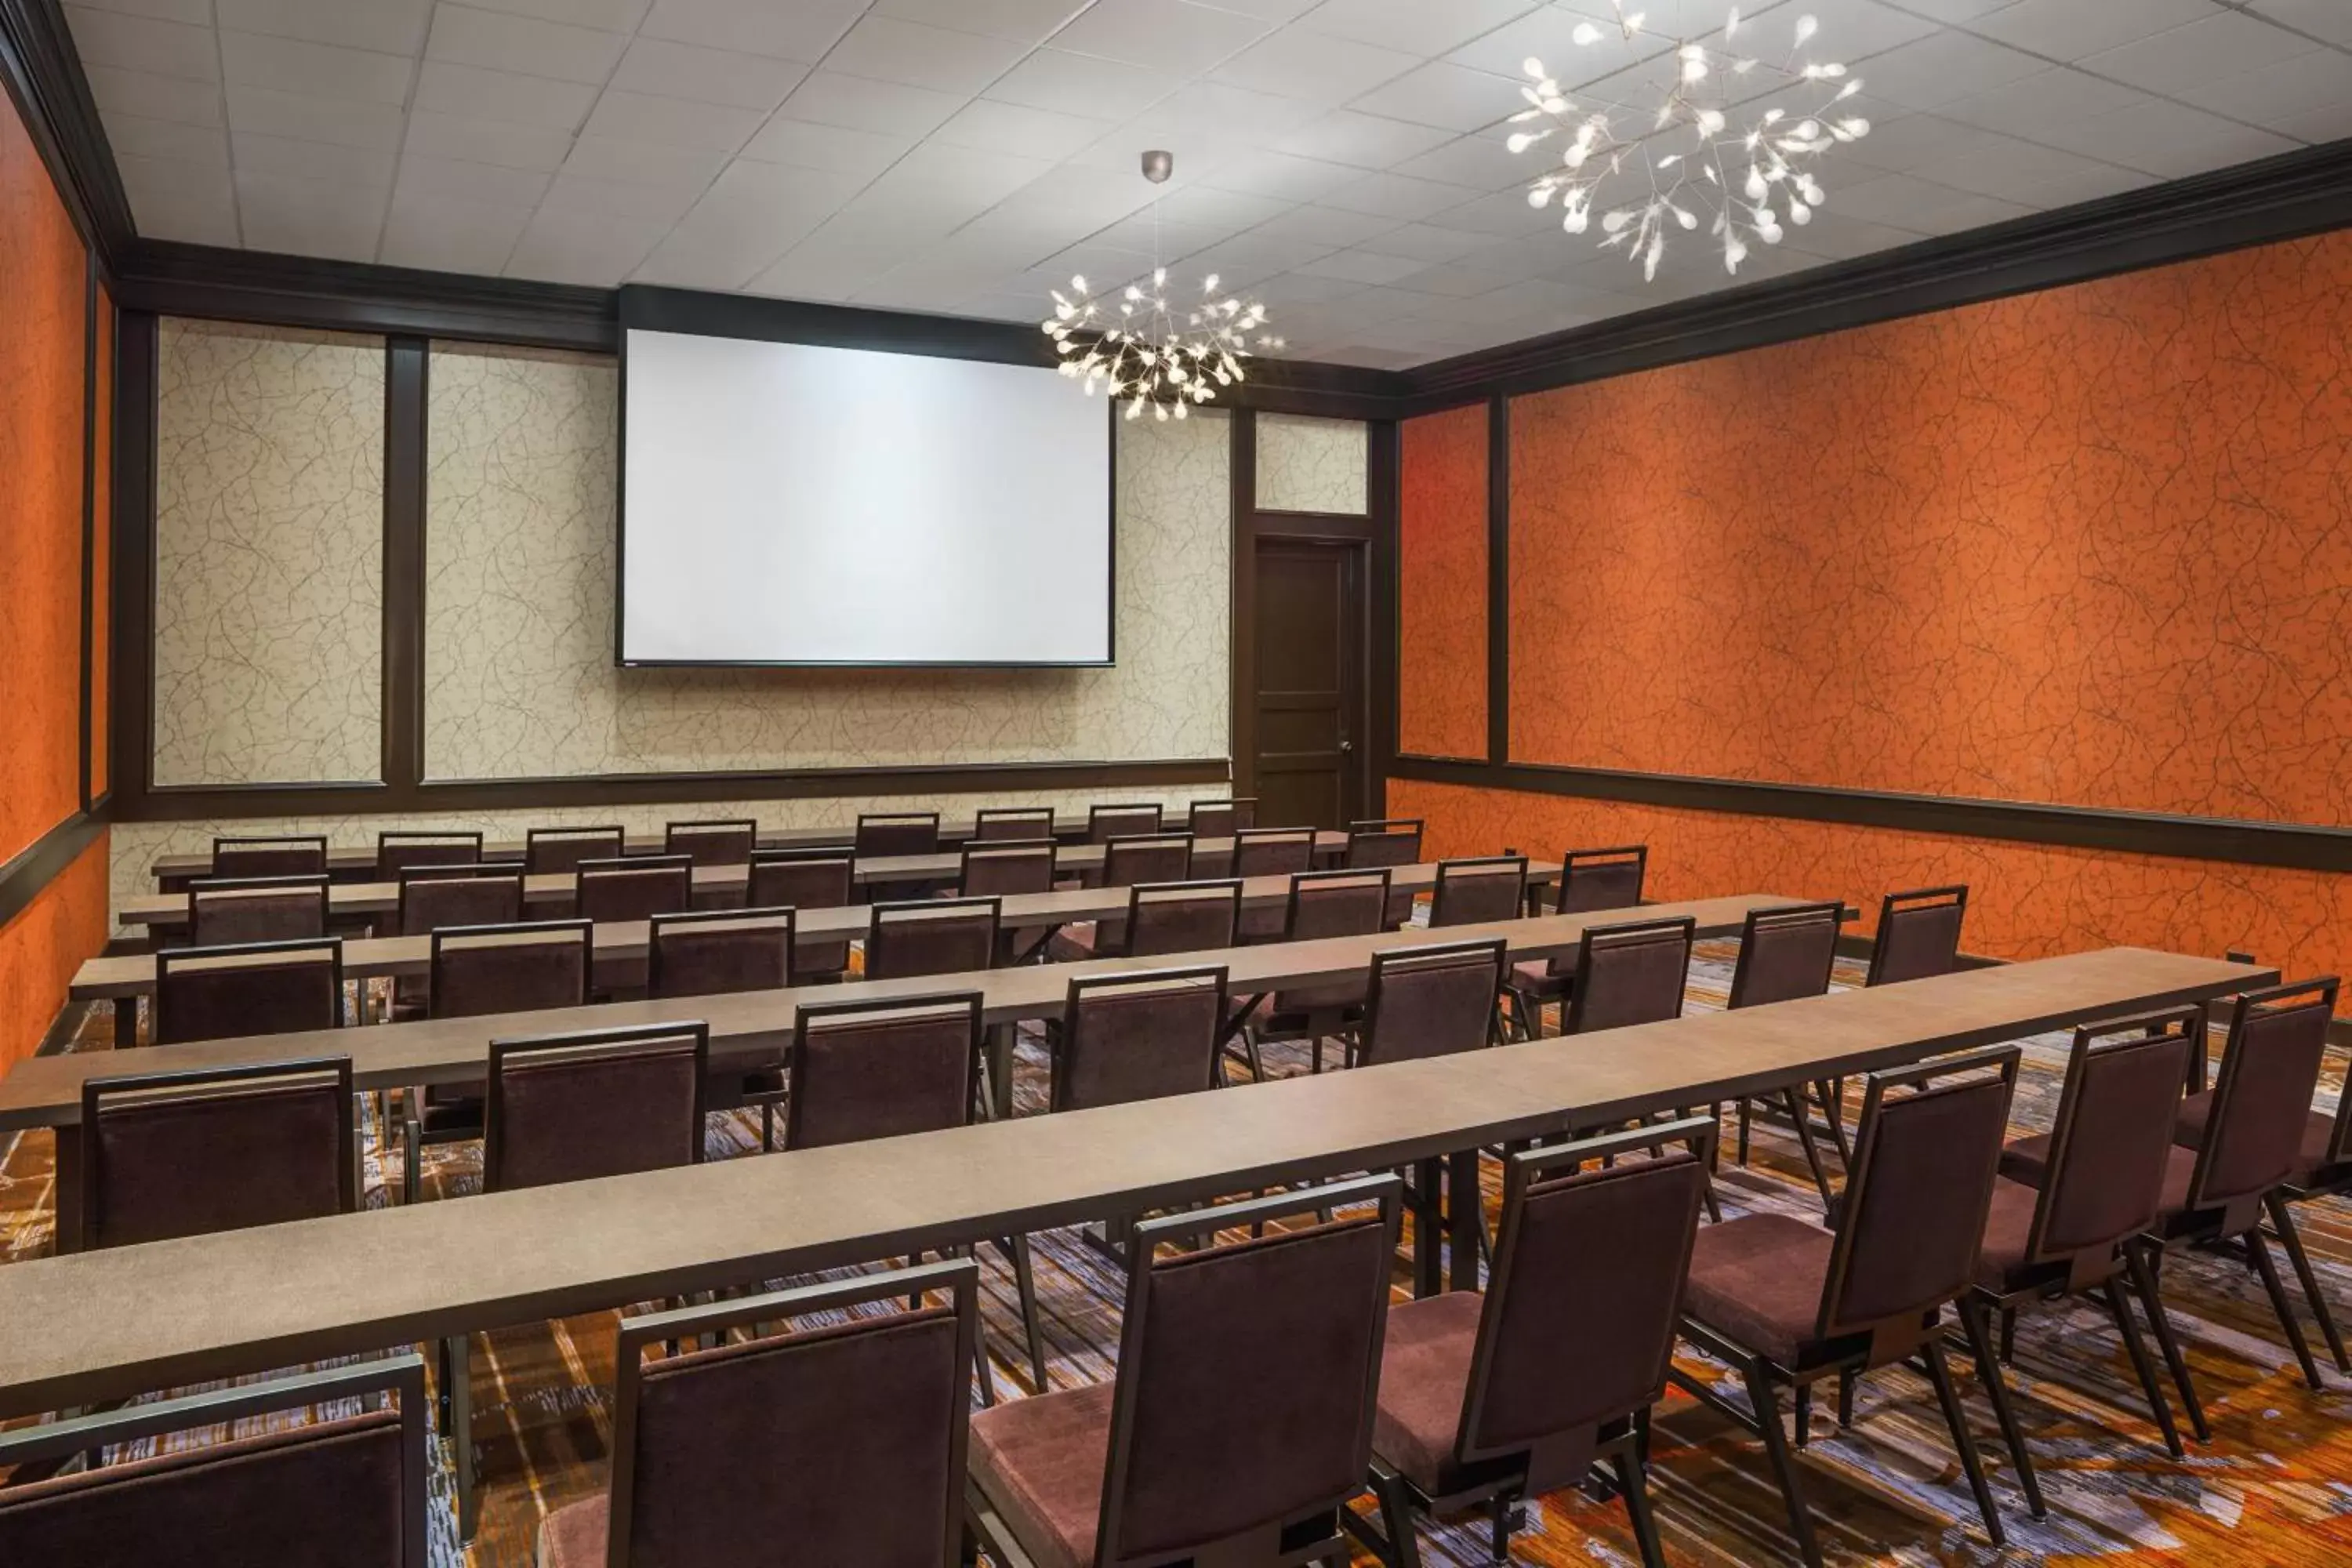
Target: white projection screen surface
point(784, 503)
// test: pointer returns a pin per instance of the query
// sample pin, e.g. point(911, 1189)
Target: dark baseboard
point(40, 863)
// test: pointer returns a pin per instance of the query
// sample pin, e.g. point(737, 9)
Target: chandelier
point(1135, 345)
point(1683, 144)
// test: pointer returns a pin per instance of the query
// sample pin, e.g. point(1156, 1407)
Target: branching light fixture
point(1685, 144)
point(1133, 343)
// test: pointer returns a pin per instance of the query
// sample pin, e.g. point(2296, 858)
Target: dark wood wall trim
point(407, 365)
point(1498, 580)
point(1241, 727)
point(1385, 607)
point(44, 77)
point(41, 862)
point(2296, 846)
point(90, 521)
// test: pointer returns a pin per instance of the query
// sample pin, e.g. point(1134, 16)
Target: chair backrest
point(1474, 892)
point(347, 1493)
point(1391, 841)
point(1432, 1001)
point(516, 968)
point(1105, 823)
point(186, 1153)
point(1131, 860)
point(999, 824)
point(727, 841)
point(1223, 1426)
point(270, 854)
point(1336, 903)
point(882, 1069)
point(805, 879)
point(2262, 1092)
point(247, 988)
point(936, 936)
point(2111, 1138)
point(635, 887)
point(711, 952)
point(846, 1440)
point(436, 896)
point(397, 850)
point(1182, 917)
point(224, 909)
point(897, 833)
point(1273, 851)
point(1786, 954)
point(1142, 1035)
point(1220, 818)
point(593, 1103)
point(1005, 867)
point(1577, 1325)
point(1631, 973)
point(1918, 935)
point(1913, 1213)
point(1601, 878)
point(553, 851)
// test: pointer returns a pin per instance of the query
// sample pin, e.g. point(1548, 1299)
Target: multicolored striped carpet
point(2273, 1487)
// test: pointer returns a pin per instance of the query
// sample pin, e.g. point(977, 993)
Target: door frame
point(1375, 727)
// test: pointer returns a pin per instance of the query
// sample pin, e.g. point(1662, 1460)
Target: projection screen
point(791, 504)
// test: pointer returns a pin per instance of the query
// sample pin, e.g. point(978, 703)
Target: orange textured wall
point(1442, 585)
point(2091, 546)
point(101, 578)
point(2025, 900)
point(41, 948)
point(42, 283)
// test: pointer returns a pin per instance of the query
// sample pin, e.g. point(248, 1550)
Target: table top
point(85, 1327)
point(46, 1091)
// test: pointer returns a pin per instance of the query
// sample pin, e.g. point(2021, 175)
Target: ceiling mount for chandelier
point(1684, 146)
point(1141, 347)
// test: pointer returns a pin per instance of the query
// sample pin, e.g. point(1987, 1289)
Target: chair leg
point(1745, 1107)
point(1846, 1383)
point(1396, 1518)
point(1803, 1400)
point(2008, 1336)
point(1793, 1102)
point(2136, 1348)
point(1832, 1093)
point(2152, 1299)
point(1973, 1315)
point(2283, 1217)
point(458, 1352)
point(1784, 1467)
point(2281, 1306)
point(766, 1127)
point(1632, 1479)
point(1025, 1279)
point(1503, 1515)
point(1939, 1372)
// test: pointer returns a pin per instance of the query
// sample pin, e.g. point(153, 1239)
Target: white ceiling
point(1342, 158)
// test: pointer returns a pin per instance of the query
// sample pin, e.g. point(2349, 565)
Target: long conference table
point(120, 1321)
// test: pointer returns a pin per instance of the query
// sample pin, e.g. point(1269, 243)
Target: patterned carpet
point(2274, 1485)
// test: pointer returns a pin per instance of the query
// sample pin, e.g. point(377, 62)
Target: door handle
point(1347, 747)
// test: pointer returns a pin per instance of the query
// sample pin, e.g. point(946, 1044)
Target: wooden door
point(1309, 682)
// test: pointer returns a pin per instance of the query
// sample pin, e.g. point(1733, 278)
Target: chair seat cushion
point(1073, 945)
point(1535, 978)
point(1424, 1375)
point(573, 1536)
point(1040, 1461)
point(1758, 1282)
point(2009, 1226)
point(2027, 1161)
point(2318, 1127)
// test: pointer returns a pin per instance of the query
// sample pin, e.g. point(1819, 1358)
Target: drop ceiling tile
point(644, 163)
point(1269, 10)
point(445, 236)
point(1906, 143)
point(176, 99)
point(1361, 266)
point(1176, 36)
point(1505, 214)
point(143, 44)
point(2316, 125)
point(671, 122)
point(1079, 84)
point(1283, 178)
point(1204, 115)
point(1905, 201)
point(1291, 297)
point(888, 49)
point(2047, 98)
point(2223, 44)
point(486, 141)
point(2328, 19)
point(706, 75)
point(311, 218)
point(277, 155)
point(1550, 36)
point(2162, 138)
point(609, 15)
point(1016, 128)
point(1454, 97)
point(833, 148)
point(523, 45)
point(1833, 236)
point(1323, 71)
point(1935, 71)
point(167, 204)
point(1399, 196)
point(889, 108)
point(470, 92)
point(628, 201)
point(1481, 162)
point(387, 26)
point(799, 32)
point(689, 258)
point(136, 136)
point(1956, 11)
point(2070, 29)
point(458, 180)
point(597, 250)
point(2274, 95)
point(265, 112)
point(1366, 141)
point(1464, 280)
point(1324, 226)
point(752, 197)
point(1428, 244)
point(1851, 30)
point(322, 70)
point(2007, 168)
point(1413, 26)
point(1023, 21)
point(985, 177)
point(197, 13)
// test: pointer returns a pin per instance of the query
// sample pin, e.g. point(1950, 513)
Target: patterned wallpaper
point(2091, 546)
point(519, 639)
point(1442, 585)
point(269, 555)
point(1313, 465)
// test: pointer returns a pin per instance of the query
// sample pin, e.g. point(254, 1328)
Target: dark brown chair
point(1629, 974)
point(883, 832)
point(1142, 859)
point(1142, 1035)
point(432, 896)
point(1004, 867)
point(1322, 904)
point(806, 879)
point(1270, 852)
point(2106, 1162)
point(1487, 1399)
point(846, 1439)
point(1786, 953)
point(712, 952)
point(270, 854)
point(397, 850)
point(1221, 1441)
point(188, 1154)
point(348, 1491)
point(525, 967)
point(1182, 917)
point(1220, 818)
point(1429, 1001)
point(558, 852)
point(1789, 1303)
point(1014, 823)
point(1393, 841)
point(593, 1103)
point(890, 1068)
point(1589, 881)
point(1105, 823)
point(635, 887)
point(249, 988)
point(1475, 891)
point(938, 936)
point(1918, 935)
point(721, 842)
point(225, 910)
